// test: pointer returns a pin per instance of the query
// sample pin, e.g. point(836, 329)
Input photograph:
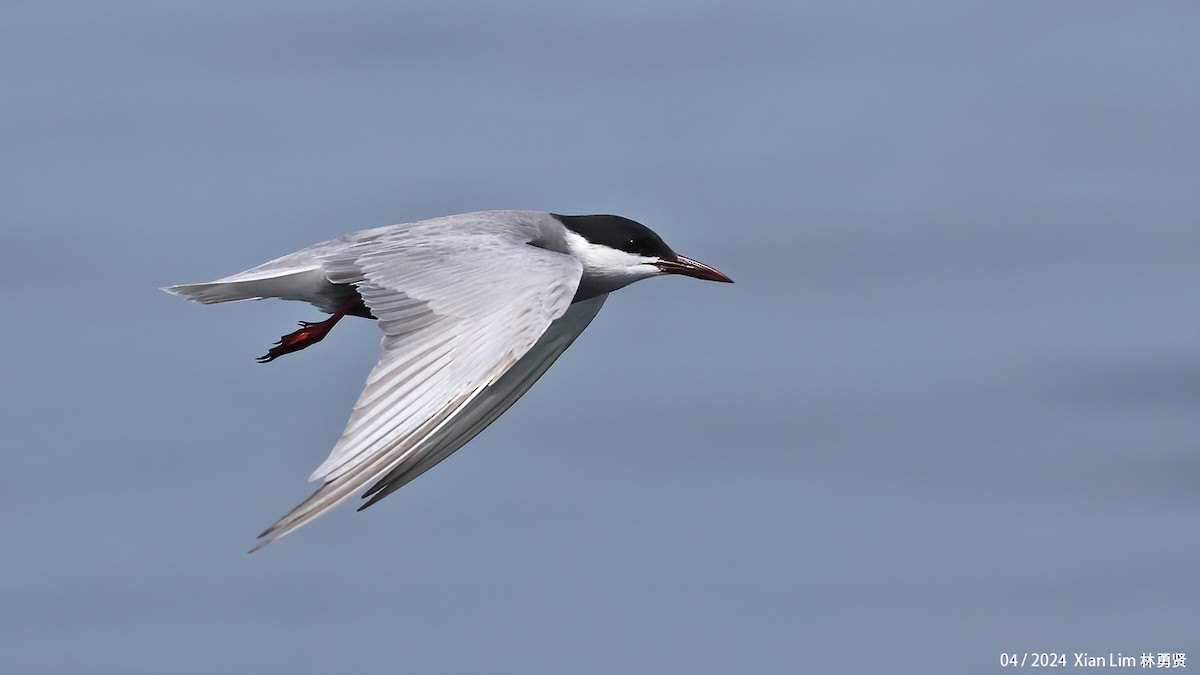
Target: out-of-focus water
point(949, 410)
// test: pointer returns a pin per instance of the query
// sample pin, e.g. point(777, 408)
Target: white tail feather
point(306, 285)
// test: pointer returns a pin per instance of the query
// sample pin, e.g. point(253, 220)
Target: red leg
point(310, 333)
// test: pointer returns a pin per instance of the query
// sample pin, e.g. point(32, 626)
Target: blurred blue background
point(949, 409)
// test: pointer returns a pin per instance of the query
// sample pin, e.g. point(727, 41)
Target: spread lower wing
point(457, 311)
point(493, 401)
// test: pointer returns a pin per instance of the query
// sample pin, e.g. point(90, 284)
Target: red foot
point(310, 333)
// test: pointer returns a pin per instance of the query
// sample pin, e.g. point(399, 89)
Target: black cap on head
point(619, 233)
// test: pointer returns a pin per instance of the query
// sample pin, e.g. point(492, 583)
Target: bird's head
point(617, 251)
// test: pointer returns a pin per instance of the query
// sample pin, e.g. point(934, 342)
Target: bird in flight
point(473, 307)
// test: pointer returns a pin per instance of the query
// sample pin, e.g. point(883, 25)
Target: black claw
point(269, 356)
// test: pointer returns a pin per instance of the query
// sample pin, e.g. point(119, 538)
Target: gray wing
point(493, 401)
point(458, 309)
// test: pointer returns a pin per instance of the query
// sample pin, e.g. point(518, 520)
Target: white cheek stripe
point(604, 262)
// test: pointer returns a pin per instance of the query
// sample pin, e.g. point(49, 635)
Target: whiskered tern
point(474, 308)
